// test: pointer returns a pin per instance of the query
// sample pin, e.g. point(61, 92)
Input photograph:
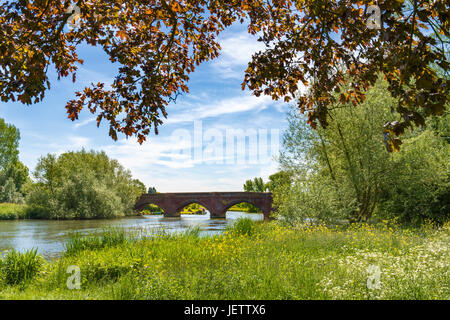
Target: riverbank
point(12, 211)
point(248, 261)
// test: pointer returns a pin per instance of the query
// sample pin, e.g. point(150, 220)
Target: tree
point(344, 172)
point(157, 44)
point(16, 171)
point(255, 185)
point(84, 185)
point(14, 180)
point(151, 190)
point(9, 143)
point(419, 187)
point(279, 180)
point(9, 193)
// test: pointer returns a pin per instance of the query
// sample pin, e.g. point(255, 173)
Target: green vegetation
point(75, 185)
point(345, 172)
point(244, 207)
point(151, 209)
point(100, 188)
point(19, 268)
point(11, 211)
point(13, 173)
point(9, 143)
point(248, 261)
point(193, 208)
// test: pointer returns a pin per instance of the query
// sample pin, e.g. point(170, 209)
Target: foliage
point(158, 44)
point(16, 171)
point(242, 226)
point(275, 262)
point(328, 47)
point(193, 208)
point(151, 190)
point(279, 180)
point(19, 268)
point(255, 185)
point(11, 211)
point(151, 209)
point(13, 173)
point(8, 192)
point(13, 182)
point(108, 238)
point(84, 185)
point(419, 184)
point(9, 143)
point(343, 171)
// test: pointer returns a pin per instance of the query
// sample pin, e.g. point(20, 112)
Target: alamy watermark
point(224, 146)
point(374, 278)
point(373, 21)
point(74, 280)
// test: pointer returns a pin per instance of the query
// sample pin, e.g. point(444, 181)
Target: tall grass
point(108, 238)
point(18, 268)
point(242, 226)
point(11, 211)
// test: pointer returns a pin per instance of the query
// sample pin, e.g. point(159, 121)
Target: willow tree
point(340, 170)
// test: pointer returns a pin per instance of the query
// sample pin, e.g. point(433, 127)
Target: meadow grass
point(252, 260)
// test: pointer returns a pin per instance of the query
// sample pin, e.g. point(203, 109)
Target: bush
point(19, 268)
point(419, 188)
point(242, 226)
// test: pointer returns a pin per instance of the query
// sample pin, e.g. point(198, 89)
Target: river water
point(49, 236)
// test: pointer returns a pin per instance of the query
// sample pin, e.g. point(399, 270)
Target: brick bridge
point(217, 203)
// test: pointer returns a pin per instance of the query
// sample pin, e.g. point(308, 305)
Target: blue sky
point(169, 161)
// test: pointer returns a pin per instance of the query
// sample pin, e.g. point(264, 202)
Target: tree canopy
point(320, 44)
point(9, 143)
point(99, 188)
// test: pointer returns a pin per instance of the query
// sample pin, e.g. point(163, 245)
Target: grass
point(18, 268)
point(251, 260)
point(13, 211)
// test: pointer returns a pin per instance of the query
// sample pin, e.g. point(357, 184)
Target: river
point(49, 236)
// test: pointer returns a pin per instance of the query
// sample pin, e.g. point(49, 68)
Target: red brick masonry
point(217, 203)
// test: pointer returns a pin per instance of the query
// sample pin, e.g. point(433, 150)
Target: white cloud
point(214, 108)
point(237, 51)
point(84, 122)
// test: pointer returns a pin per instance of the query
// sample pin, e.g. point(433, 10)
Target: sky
point(214, 138)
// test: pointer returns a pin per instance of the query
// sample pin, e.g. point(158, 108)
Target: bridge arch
point(155, 203)
point(188, 202)
point(233, 203)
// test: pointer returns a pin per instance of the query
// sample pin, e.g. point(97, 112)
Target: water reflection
point(49, 236)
